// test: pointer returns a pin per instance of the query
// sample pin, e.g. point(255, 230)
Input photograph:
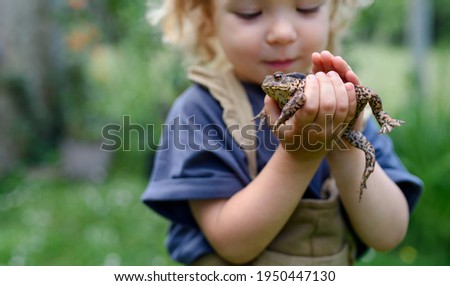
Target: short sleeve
point(196, 158)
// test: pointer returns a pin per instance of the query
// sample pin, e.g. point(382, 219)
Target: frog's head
point(279, 85)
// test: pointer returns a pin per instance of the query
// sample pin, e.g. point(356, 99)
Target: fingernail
point(332, 73)
point(310, 77)
point(349, 86)
point(320, 74)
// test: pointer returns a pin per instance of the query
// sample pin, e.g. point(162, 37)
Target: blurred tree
point(30, 43)
point(55, 57)
point(382, 22)
point(389, 21)
point(440, 22)
point(420, 38)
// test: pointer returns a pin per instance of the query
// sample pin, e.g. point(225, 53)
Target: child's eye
point(310, 10)
point(248, 15)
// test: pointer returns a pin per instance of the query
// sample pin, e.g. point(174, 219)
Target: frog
point(287, 89)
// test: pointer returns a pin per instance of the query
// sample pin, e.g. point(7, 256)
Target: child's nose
point(281, 32)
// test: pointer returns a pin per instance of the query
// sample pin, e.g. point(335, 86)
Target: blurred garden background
point(68, 68)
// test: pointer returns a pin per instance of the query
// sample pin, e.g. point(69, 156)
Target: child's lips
point(280, 64)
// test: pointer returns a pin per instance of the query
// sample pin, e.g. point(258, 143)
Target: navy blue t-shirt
point(198, 159)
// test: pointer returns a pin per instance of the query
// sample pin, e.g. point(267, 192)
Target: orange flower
point(81, 37)
point(77, 4)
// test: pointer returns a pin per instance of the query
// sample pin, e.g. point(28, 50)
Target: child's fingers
point(309, 111)
point(345, 71)
point(327, 98)
point(322, 62)
point(317, 64)
point(351, 101)
point(350, 76)
point(327, 61)
point(341, 67)
point(342, 98)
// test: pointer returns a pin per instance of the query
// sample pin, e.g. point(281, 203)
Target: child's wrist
point(343, 155)
point(299, 155)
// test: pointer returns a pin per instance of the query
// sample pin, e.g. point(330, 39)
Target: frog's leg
point(295, 103)
point(358, 140)
point(262, 116)
point(386, 122)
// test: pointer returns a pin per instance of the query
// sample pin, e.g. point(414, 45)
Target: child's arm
point(241, 227)
point(381, 218)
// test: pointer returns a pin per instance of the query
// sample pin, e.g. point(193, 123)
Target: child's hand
point(326, 61)
point(310, 133)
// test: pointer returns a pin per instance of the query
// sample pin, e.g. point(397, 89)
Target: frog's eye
point(278, 76)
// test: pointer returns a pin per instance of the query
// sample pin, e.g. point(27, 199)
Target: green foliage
point(422, 145)
point(387, 22)
point(441, 25)
point(118, 73)
point(427, 154)
point(106, 40)
point(383, 22)
point(48, 221)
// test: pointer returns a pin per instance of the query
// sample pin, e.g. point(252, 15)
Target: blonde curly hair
point(187, 24)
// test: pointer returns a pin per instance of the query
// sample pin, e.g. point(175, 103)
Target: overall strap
point(237, 110)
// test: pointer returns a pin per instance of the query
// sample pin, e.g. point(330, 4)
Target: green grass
point(47, 220)
point(50, 221)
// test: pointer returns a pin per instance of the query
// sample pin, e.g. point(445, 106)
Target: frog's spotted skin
point(288, 91)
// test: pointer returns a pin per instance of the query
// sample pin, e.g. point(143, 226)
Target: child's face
point(261, 37)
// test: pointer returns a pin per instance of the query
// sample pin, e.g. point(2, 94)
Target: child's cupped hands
point(326, 62)
point(330, 104)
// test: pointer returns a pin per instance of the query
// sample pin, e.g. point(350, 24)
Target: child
point(276, 202)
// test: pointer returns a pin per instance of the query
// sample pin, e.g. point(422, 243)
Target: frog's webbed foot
point(388, 123)
point(281, 120)
point(262, 116)
point(290, 108)
point(358, 140)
